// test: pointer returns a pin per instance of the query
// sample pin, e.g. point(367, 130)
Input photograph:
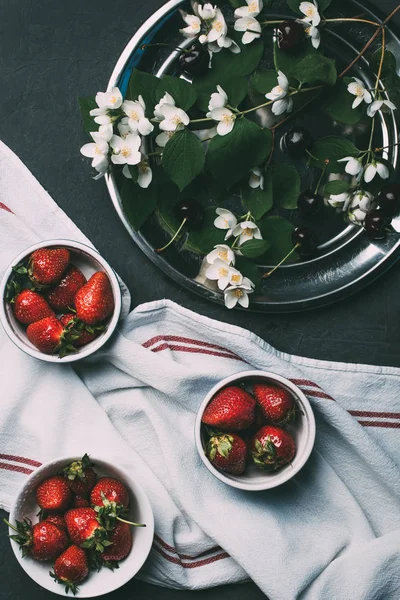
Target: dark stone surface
point(53, 51)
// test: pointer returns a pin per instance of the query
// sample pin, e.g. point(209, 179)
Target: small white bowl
point(88, 261)
point(302, 431)
point(105, 581)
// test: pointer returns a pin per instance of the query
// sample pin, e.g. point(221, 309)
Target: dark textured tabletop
point(53, 51)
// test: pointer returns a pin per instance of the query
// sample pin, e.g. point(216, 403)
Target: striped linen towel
point(333, 532)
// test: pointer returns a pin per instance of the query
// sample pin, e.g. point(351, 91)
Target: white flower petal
point(88, 150)
point(145, 127)
point(369, 173)
point(383, 171)
point(145, 175)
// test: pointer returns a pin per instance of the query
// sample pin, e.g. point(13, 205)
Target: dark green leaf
point(231, 157)
point(336, 187)
point(143, 84)
point(183, 158)
point(134, 171)
point(339, 104)
point(315, 68)
point(202, 241)
point(87, 104)
point(389, 63)
point(264, 81)
point(184, 93)
point(230, 64)
point(138, 203)
point(254, 248)
point(165, 208)
point(288, 63)
point(286, 186)
point(332, 148)
point(258, 201)
point(278, 231)
point(249, 269)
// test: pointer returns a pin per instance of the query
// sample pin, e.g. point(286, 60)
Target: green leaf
point(339, 104)
point(138, 203)
point(336, 187)
point(286, 186)
point(258, 201)
point(184, 93)
point(322, 5)
point(88, 103)
point(143, 84)
point(278, 231)
point(288, 63)
point(315, 68)
point(264, 81)
point(389, 63)
point(202, 241)
point(230, 64)
point(183, 158)
point(249, 269)
point(254, 248)
point(332, 148)
point(236, 88)
point(231, 157)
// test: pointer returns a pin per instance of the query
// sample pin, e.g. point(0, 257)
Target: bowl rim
point(92, 346)
point(135, 489)
point(271, 482)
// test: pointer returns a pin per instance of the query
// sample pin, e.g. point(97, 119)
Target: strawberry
point(49, 336)
point(231, 409)
point(80, 502)
point(53, 494)
point(61, 297)
point(84, 529)
point(94, 302)
point(70, 568)
point(55, 518)
point(227, 452)
point(272, 448)
point(84, 333)
point(30, 307)
point(43, 541)
point(121, 543)
point(47, 265)
point(80, 476)
point(109, 489)
point(276, 403)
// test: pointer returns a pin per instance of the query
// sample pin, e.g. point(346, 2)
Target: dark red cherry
point(195, 60)
point(290, 36)
point(306, 240)
point(190, 210)
point(310, 203)
point(389, 199)
point(297, 141)
point(376, 223)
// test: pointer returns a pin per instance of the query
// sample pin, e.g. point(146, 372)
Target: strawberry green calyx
point(70, 586)
point(18, 281)
point(264, 455)
point(111, 512)
point(221, 444)
point(77, 469)
point(23, 536)
point(98, 541)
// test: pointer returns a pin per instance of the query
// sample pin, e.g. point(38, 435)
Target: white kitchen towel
point(332, 533)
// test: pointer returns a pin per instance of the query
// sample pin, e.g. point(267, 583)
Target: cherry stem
point(131, 522)
point(321, 178)
point(171, 241)
point(353, 20)
point(266, 275)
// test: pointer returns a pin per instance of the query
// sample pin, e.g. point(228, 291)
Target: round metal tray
point(347, 259)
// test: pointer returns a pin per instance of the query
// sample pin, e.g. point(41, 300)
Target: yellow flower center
point(279, 90)
point(113, 99)
point(248, 232)
point(238, 293)
point(218, 26)
point(133, 115)
point(176, 120)
point(310, 11)
point(359, 91)
point(223, 255)
point(97, 150)
point(222, 272)
point(235, 279)
point(228, 119)
point(253, 7)
point(226, 224)
point(126, 151)
point(308, 31)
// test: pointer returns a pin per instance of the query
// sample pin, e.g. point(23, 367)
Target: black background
point(52, 52)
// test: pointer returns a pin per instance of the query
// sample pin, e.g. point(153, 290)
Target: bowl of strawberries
point(81, 525)
point(61, 301)
point(255, 430)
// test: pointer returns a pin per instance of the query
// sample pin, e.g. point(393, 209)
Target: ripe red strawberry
point(84, 333)
point(80, 502)
point(61, 297)
point(272, 448)
point(49, 336)
point(121, 543)
point(55, 518)
point(30, 307)
point(80, 476)
point(53, 494)
point(112, 490)
point(94, 302)
point(227, 452)
point(70, 568)
point(47, 265)
point(84, 529)
point(276, 403)
point(231, 409)
point(42, 541)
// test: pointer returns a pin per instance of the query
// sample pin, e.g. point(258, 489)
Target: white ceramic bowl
point(105, 581)
point(88, 261)
point(302, 431)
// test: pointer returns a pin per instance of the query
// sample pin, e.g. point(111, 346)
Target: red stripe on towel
point(15, 468)
point(21, 459)
point(385, 424)
point(5, 207)
point(176, 348)
point(174, 550)
point(379, 415)
point(191, 565)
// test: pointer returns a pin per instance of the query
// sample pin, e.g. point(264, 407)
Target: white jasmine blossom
point(163, 138)
point(135, 111)
point(206, 12)
point(234, 295)
point(354, 165)
point(247, 230)
point(193, 25)
point(222, 252)
point(225, 220)
point(166, 99)
point(251, 27)
point(106, 101)
point(315, 35)
point(173, 118)
point(98, 151)
point(377, 105)
point(224, 42)
point(253, 9)
point(279, 94)
point(310, 10)
point(226, 119)
point(360, 204)
point(126, 151)
point(341, 201)
point(218, 99)
point(205, 135)
point(123, 127)
point(145, 173)
point(373, 168)
point(358, 89)
point(256, 179)
point(224, 274)
point(217, 38)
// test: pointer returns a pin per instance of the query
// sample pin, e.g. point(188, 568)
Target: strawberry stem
point(131, 522)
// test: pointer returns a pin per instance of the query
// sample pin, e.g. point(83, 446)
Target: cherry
point(305, 240)
point(309, 203)
point(195, 60)
point(297, 141)
point(190, 211)
point(389, 199)
point(290, 36)
point(376, 223)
